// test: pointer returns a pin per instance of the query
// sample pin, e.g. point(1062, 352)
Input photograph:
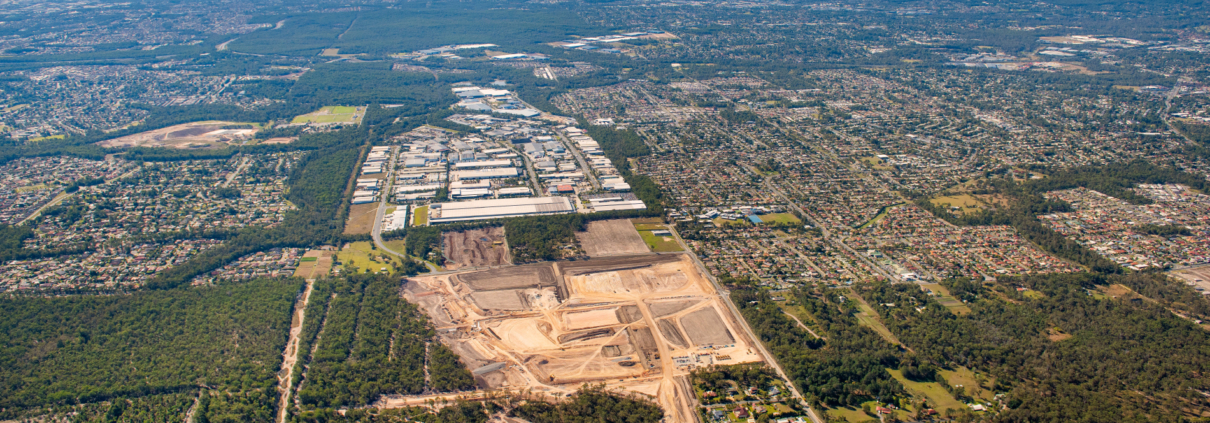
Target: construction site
point(638, 323)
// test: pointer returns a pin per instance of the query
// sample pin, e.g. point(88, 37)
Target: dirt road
point(290, 355)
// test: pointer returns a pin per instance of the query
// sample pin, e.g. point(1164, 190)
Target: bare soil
point(611, 237)
point(475, 248)
point(189, 135)
point(527, 276)
point(704, 327)
point(587, 321)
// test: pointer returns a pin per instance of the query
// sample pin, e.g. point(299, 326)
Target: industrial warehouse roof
point(499, 208)
point(502, 172)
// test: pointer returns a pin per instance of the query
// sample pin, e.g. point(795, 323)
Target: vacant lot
point(510, 277)
point(420, 216)
point(314, 264)
point(938, 397)
point(705, 327)
point(965, 377)
point(943, 297)
point(367, 259)
point(209, 134)
point(475, 248)
point(611, 237)
point(966, 203)
point(333, 115)
point(361, 218)
point(870, 319)
point(1197, 277)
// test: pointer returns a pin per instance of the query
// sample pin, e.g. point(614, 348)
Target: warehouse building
point(497, 173)
point(498, 208)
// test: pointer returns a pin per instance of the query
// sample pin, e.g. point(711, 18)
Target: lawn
point(876, 163)
point(965, 377)
point(881, 214)
point(780, 218)
point(52, 137)
point(943, 297)
point(660, 244)
point(361, 255)
point(869, 318)
point(720, 222)
point(330, 114)
point(968, 204)
point(938, 398)
point(420, 216)
point(397, 245)
point(852, 415)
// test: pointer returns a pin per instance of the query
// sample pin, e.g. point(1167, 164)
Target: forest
point(544, 238)
point(70, 350)
point(846, 370)
point(372, 31)
point(1063, 355)
point(368, 341)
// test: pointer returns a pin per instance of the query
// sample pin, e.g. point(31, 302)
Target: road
point(596, 185)
point(63, 196)
point(376, 232)
point(290, 354)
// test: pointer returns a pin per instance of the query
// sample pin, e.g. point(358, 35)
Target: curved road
point(376, 232)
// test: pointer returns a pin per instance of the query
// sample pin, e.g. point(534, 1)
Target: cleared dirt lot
point(540, 274)
point(611, 237)
point(209, 134)
point(552, 327)
point(704, 327)
point(1196, 277)
point(361, 218)
point(475, 248)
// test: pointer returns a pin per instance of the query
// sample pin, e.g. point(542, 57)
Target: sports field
point(333, 114)
point(780, 218)
point(658, 244)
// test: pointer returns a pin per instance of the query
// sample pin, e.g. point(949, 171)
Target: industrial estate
point(625, 211)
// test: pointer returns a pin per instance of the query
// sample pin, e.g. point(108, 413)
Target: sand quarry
point(189, 135)
point(639, 323)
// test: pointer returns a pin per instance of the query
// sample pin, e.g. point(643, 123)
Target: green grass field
point(366, 260)
point(943, 297)
point(420, 216)
point(938, 398)
point(780, 218)
point(331, 114)
point(852, 415)
point(968, 203)
point(965, 377)
point(720, 222)
point(660, 244)
point(869, 318)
